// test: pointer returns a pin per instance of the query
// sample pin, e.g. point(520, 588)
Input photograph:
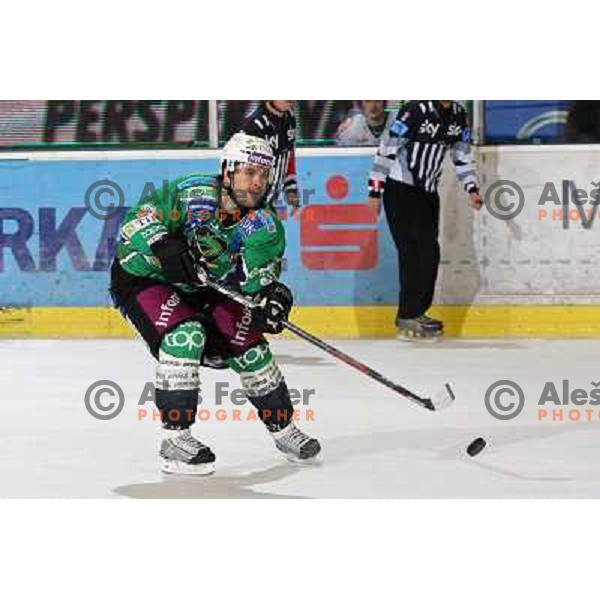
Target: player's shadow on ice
point(440, 444)
point(469, 344)
point(224, 484)
point(303, 361)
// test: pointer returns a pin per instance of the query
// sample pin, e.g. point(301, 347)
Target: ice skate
point(296, 445)
point(422, 328)
point(181, 453)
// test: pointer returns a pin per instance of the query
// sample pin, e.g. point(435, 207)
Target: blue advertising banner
point(525, 121)
point(53, 252)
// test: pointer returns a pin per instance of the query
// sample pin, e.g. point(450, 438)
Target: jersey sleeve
point(462, 157)
point(157, 214)
point(254, 124)
point(392, 140)
point(290, 183)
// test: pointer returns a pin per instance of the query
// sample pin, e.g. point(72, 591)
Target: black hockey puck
point(476, 446)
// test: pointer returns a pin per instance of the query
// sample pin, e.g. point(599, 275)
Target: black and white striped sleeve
point(391, 142)
point(255, 126)
point(464, 164)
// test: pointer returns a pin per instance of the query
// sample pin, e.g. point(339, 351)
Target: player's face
point(373, 109)
point(282, 105)
point(250, 184)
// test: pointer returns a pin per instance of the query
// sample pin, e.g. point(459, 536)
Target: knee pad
point(257, 370)
point(256, 362)
point(177, 374)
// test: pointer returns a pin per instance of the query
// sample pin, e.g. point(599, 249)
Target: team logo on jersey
point(429, 128)
point(454, 130)
point(209, 245)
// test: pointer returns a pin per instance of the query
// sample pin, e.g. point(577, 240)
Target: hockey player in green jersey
point(200, 228)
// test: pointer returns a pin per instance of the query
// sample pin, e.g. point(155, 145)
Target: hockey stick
point(442, 399)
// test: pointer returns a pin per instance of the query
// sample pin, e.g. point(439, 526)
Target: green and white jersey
point(244, 251)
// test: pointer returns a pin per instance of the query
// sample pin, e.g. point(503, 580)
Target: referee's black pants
point(413, 216)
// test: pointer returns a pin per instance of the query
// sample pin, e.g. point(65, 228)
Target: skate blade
point(175, 467)
point(304, 462)
point(417, 339)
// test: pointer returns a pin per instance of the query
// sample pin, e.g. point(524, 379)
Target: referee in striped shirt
point(406, 173)
point(275, 122)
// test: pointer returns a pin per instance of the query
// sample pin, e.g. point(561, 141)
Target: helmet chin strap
point(229, 188)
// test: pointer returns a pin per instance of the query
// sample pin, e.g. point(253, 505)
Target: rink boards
point(533, 275)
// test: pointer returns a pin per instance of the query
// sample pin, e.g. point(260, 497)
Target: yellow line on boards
point(329, 321)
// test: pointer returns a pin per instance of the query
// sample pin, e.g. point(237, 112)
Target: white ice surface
point(375, 444)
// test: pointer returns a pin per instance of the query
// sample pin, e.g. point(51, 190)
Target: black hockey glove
point(274, 304)
point(177, 262)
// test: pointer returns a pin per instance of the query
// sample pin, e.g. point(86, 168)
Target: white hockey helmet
point(247, 149)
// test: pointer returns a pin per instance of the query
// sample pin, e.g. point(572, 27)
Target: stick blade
point(444, 398)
